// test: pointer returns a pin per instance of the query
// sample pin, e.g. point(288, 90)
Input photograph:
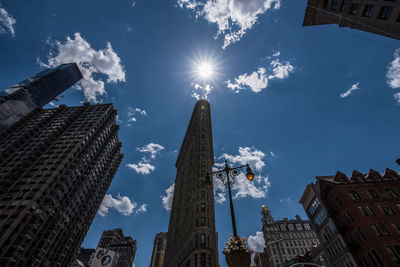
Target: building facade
point(375, 16)
point(160, 244)
point(333, 250)
point(285, 239)
point(192, 239)
point(35, 92)
point(124, 246)
point(55, 168)
point(365, 208)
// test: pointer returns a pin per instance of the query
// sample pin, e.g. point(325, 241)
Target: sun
point(205, 70)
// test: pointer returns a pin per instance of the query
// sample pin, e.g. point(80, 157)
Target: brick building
point(365, 212)
point(285, 239)
point(56, 165)
point(375, 16)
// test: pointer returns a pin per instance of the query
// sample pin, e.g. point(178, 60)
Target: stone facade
point(285, 239)
point(56, 165)
point(192, 239)
point(375, 16)
point(160, 244)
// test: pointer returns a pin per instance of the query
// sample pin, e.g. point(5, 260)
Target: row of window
point(371, 194)
point(384, 13)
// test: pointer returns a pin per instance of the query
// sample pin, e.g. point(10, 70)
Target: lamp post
point(228, 178)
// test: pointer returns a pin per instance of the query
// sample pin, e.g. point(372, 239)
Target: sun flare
point(205, 70)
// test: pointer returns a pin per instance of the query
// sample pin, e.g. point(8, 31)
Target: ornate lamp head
point(249, 173)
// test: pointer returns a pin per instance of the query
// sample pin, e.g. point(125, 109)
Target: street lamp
point(228, 178)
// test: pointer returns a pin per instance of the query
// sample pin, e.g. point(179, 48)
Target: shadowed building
point(285, 239)
point(125, 246)
point(192, 240)
point(375, 16)
point(363, 211)
point(55, 168)
point(157, 257)
point(35, 92)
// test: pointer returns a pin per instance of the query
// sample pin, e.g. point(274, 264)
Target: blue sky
point(294, 102)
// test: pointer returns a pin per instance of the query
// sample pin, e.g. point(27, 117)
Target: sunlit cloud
point(122, 204)
point(166, 199)
point(6, 22)
point(142, 167)
point(151, 148)
point(393, 74)
point(353, 88)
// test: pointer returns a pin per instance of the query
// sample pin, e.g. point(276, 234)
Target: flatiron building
point(192, 239)
point(55, 168)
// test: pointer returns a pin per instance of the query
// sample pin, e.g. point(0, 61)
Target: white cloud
point(122, 204)
point(167, 198)
point(201, 91)
point(143, 167)
point(133, 3)
point(233, 17)
point(393, 73)
point(151, 148)
point(397, 97)
point(141, 209)
point(256, 242)
point(287, 201)
point(259, 79)
point(91, 62)
point(257, 188)
point(353, 88)
point(133, 112)
point(6, 22)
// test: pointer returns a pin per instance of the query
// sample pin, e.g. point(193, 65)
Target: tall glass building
point(36, 91)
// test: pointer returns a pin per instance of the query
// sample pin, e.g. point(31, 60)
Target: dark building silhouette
point(82, 257)
point(35, 92)
point(125, 246)
point(160, 244)
point(55, 168)
point(192, 240)
point(285, 239)
point(364, 210)
point(375, 16)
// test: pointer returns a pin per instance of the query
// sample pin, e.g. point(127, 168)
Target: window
point(376, 230)
point(203, 221)
point(291, 227)
point(368, 10)
point(307, 226)
point(203, 207)
point(298, 227)
point(314, 206)
point(383, 228)
point(396, 227)
point(343, 6)
point(349, 216)
point(389, 209)
point(361, 209)
point(393, 253)
point(339, 201)
point(369, 211)
point(320, 217)
point(385, 12)
point(354, 9)
point(372, 193)
point(354, 194)
point(334, 4)
point(391, 192)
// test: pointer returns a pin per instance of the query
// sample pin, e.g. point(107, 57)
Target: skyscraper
point(160, 244)
point(116, 241)
point(378, 16)
point(55, 168)
point(192, 240)
point(35, 92)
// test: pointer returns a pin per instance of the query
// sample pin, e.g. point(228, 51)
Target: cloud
point(201, 91)
point(142, 209)
point(91, 62)
point(353, 88)
point(393, 73)
point(6, 22)
point(151, 148)
point(133, 112)
point(167, 198)
point(258, 188)
point(232, 17)
point(133, 3)
point(142, 167)
point(259, 79)
point(286, 201)
point(256, 242)
point(122, 204)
